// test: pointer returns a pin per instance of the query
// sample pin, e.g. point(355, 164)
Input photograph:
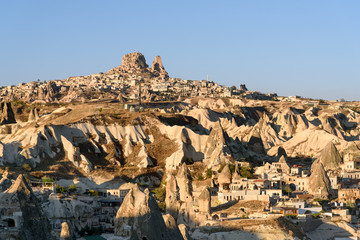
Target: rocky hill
point(132, 81)
point(90, 136)
point(91, 132)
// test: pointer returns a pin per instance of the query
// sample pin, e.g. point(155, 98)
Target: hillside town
point(135, 154)
point(130, 82)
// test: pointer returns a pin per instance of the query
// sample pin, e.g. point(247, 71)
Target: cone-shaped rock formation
point(32, 223)
point(330, 157)
point(139, 217)
point(6, 114)
point(319, 183)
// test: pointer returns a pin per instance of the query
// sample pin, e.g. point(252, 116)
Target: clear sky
point(309, 48)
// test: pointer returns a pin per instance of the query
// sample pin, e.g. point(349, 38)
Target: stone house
point(349, 194)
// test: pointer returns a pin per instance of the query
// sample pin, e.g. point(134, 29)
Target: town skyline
point(271, 47)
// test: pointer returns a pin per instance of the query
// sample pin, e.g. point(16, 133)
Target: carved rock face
point(131, 63)
point(6, 114)
point(158, 68)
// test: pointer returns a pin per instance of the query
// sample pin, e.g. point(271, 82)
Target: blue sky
point(308, 48)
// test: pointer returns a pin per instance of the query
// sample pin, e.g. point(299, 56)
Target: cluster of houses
point(104, 204)
point(286, 189)
point(125, 86)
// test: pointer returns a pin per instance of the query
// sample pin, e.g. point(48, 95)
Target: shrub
point(292, 216)
point(47, 179)
point(26, 167)
point(350, 205)
point(221, 167)
point(72, 188)
point(200, 178)
point(160, 193)
point(160, 197)
point(232, 168)
point(93, 193)
point(209, 173)
point(246, 173)
point(189, 161)
point(60, 189)
point(162, 206)
point(287, 190)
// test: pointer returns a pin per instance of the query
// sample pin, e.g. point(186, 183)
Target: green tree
point(47, 179)
point(287, 190)
point(26, 167)
point(189, 161)
point(232, 168)
point(162, 206)
point(60, 189)
point(209, 173)
point(94, 193)
point(350, 205)
point(72, 188)
point(160, 193)
point(246, 173)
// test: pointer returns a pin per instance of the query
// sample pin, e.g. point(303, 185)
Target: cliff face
point(135, 63)
point(131, 63)
point(158, 68)
point(32, 222)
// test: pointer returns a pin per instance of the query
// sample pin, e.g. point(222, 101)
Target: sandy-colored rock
point(184, 232)
point(172, 197)
point(32, 223)
point(184, 182)
point(319, 183)
point(171, 225)
point(139, 217)
point(65, 232)
point(33, 115)
point(284, 165)
point(330, 157)
point(256, 143)
point(225, 175)
point(158, 68)
point(217, 146)
point(73, 154)
point(131, 63)
point(205, 201)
